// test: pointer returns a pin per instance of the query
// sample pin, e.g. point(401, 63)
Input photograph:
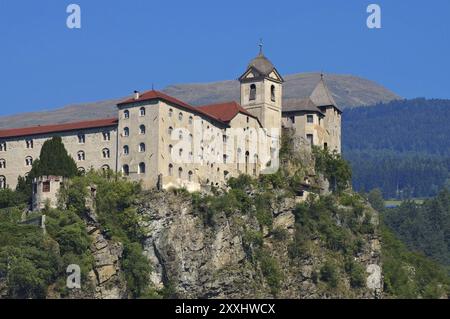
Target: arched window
point(225, 158)
point(142, 129)
point(180, 116)
point(81, 170)
point(180, 173)
point(252, 92)
point(126, 132)
point(106, 153)
point(190, 174)
point(170, 112)
point(2, 163)
point(126, 170)
point(170, 149)
point(28, 161)
point(272, 93)
point(180, 134)
point(2, 182)
point(180, 152)
point(142, 111)
point(141, 148)
point(141, 168)
point(191, 119)
point(170, 130)
point(105, 168)
point(255, 164)
point(247, 155)
point(126, 150)
point(81, 156)
point(170, 169)
point(126, 114)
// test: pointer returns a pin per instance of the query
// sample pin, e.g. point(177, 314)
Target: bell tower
point(262, 91)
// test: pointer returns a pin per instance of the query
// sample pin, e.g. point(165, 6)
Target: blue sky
point(127, 45)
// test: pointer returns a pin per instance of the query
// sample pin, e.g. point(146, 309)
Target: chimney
point(136, 95)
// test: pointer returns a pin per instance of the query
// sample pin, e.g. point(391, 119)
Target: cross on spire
point(260, 46)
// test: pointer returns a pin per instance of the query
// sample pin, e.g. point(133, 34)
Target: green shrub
point(330, 274)
point(271, 270)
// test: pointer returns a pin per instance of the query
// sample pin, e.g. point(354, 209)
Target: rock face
point(203, 261)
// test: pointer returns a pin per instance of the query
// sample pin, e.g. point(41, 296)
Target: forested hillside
point(402, 147)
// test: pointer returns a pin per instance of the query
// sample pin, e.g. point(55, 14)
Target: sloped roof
point(157, 95)
point(46, 129)
point(321, 96)
point(305, 105)
point(262, 64)
point(225, 112)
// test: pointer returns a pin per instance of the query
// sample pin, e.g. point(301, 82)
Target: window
point(81, 170)
point(170, 130)
point(325, 146)
point(252, 92)
point(106, 136)
point(292, 119)
point(170, 113)
point(126, 132)
point(310, 138)
point(28, 161)
point(2, 163)
point(142, 129)
point(225, 138)
point(2, 146)
point(2, 182)
point(272, 93)
point(142, 111)
point(126, 170)
point(310, 118)
point(81, 156)
point(180, 135)
point(126, 114)
point(141, 168)
point(126, 150)
point(46, 187)
point(29, 144)
point(180, 116)
point(225, 157)
point(141, 148)
point(106, 153)
point(190, 174)
point(170, 169)
point(170, 149)
point(105, 168)
point(191, 119)
point(180, 173)
point(81, 138)
point(180, 152)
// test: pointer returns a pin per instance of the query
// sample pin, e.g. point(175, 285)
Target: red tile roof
point(46, 129)
point(157, 95)
point(225, 112)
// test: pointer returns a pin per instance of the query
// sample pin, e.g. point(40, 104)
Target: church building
point(164, 142)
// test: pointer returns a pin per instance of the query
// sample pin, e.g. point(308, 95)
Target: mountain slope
point(348, 91)
point(402, 147)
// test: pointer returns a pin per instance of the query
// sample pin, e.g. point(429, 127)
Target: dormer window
point(272, 93)
point(252, 92)
point(2, 146)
